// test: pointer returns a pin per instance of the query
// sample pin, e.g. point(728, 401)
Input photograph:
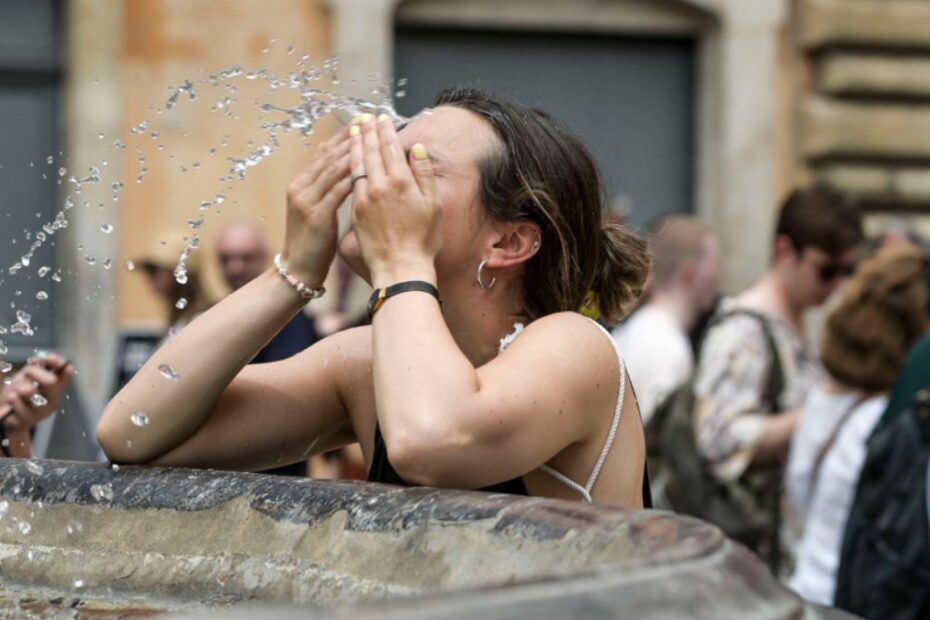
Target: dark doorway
point(29, 184)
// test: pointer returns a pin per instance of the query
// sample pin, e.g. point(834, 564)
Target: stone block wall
point(865, 116)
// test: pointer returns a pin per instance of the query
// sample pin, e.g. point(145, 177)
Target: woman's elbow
point(116, 447)
point(423, 461)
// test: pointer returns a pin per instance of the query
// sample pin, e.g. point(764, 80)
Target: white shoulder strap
point(585, 490)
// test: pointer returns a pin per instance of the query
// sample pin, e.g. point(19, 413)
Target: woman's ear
point(518, 242)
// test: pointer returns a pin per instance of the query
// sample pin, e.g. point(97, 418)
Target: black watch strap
point(379, 296)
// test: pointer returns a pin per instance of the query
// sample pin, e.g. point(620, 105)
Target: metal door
point(631, 99)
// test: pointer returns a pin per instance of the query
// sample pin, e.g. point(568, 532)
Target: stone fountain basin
point(169, 540)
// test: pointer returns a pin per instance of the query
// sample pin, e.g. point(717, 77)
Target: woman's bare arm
point(205, 357)
point(188, 379)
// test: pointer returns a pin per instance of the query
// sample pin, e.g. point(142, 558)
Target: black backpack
point(683, 480)
point(884, 568)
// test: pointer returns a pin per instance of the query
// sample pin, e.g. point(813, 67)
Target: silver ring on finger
point(358, 177)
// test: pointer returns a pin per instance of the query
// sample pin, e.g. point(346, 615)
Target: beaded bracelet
point(301, 287)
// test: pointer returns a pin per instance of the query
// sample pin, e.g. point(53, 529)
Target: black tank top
point(382, 471)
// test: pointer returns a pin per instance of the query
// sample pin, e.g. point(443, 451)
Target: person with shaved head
point(242, 253)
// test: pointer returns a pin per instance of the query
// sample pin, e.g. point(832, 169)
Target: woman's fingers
point(357, 163)
point(373, 165)
point(43, 377)
point(392, 153)
point(21, 414)
point(336, 195)
point(328, 152)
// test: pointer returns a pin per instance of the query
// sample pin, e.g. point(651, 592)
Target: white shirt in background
point(657, 353)
point(823, 505)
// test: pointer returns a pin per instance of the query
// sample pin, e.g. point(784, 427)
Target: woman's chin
point(351, 253)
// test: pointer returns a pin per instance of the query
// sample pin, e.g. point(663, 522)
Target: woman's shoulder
point(569, 326)
point(579, 342)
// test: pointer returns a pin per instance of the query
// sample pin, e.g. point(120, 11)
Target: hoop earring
point(480, 282)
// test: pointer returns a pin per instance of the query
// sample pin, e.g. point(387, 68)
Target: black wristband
point(381, 294)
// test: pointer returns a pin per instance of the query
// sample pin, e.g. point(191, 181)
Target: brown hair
point(821, 217)
point(885, 309)
point(677, 239)
point(543, 173)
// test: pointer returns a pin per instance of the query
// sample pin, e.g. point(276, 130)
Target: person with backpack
point(756, 366)
point(684, 283)
point(884, 568)
point(883, 312)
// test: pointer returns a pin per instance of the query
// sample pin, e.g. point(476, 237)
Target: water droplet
point(129, 443)
point(130, 265)
point(24, 527)
point(106, 228)
point(62, 171)
point(50, 159)
point(102, 492)
point(90, 260)
point(139, 419)
point(43, 271)
point(198, 223)
point(101, 136)
point(5, 367)
point(56, 277)
point(168, 372)
point(4, 508)
point(41, 295)
point(181, 303)
point(107, 263)
point(78, 584)
point(38, 400)
point(35, 468)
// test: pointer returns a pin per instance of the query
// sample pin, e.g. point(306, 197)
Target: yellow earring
point(590, 307)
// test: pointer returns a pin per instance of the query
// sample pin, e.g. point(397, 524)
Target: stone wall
point(865, 114)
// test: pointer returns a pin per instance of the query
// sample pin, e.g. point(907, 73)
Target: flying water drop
point(168, 372)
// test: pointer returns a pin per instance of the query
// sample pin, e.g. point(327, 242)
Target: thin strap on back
point(585, 490)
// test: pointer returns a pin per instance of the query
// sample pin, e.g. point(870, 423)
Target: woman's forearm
point(176, 390)
point(423, 381)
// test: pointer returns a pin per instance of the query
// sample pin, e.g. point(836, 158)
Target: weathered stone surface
point(172, 538)
point(891, 23)
point(864, 130)
point(881, 185)
point(878, 75)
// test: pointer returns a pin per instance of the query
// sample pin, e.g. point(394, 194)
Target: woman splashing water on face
point(491, 207)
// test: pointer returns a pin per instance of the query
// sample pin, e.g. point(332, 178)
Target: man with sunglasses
point(756, 364)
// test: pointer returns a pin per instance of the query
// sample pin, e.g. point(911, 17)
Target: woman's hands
point(312, 200)
point(396, 210)
point(34, 393)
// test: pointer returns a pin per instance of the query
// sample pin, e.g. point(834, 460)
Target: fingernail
point(382, 118)
point(357, 119)
point(364, 118)
point(419, 152)
point(354, 130)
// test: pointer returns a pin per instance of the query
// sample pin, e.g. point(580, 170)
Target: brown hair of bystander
point(884, 310)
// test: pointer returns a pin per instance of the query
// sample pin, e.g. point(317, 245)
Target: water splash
point(168, 372)
point(138, 418)
point(22, 324)
point(102, 492)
